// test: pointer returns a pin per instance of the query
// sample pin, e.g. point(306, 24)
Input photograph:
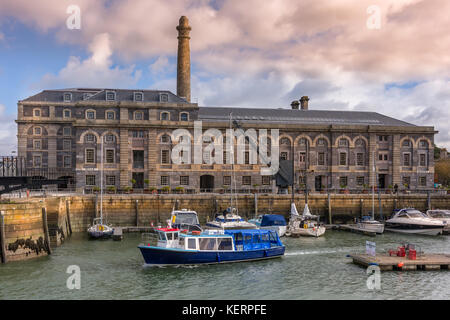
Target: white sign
point(370, 248)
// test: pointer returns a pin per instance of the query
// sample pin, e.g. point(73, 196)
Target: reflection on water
point(311, 269)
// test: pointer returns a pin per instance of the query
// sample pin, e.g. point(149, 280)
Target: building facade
point(65, 128)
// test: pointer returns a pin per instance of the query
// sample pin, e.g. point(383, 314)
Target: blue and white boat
point(174, 247)
point(275, 222)
point(229, 219)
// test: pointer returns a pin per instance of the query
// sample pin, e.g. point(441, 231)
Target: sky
point(391, 56)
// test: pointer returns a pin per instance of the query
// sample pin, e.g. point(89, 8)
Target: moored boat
point(367, 223)
point(174, 247)
point(441, 215)
point(99, 229)
point(274, 222)
point(305, 225)
point(410, 220)
point(185, 219)
point(229, 219)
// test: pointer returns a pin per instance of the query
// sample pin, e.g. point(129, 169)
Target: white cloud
point(8, 132)
point(95, 71)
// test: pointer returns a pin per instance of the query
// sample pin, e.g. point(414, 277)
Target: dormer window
point(67, 97)
point(138, 115)
point(67, 113)
point(110, 96)
point(163, 97)
point(87, 96)
point(165, 116)
point(138, 96)
point(184, 116)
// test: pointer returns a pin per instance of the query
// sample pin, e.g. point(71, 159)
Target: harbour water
point(311, 269)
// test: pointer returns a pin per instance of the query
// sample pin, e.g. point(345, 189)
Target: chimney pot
point(304, 102)
point(295, 104)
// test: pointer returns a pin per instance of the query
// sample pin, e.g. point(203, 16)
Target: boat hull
point(413, 230)
point(164, 256)
point(310, 232)
point(371, 227)
point(100, 234)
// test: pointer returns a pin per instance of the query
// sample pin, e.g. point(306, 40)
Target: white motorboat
point(442, 215)
point(275, 222)
point(410, 220)
point(367, 223)
point(305, 225)
point(229, 219)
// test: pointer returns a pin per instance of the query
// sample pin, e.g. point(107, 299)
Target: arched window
point(406, 143)
point(343, 142)
point(165, 138)
point(37, 131)
point(423, 144)
point(90, 138)
point(321, 142)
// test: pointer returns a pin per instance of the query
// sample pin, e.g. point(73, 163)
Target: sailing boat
point(304, 225)
point(229, 218)
point(368, 223)
point(99, 229)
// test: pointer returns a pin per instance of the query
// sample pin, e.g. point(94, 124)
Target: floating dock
point(423, 262)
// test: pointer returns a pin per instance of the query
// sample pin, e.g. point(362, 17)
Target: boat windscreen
point(413, 214)
point(439, 213)
point(186, 218)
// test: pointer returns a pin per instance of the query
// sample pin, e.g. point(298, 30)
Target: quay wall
point(25, 232)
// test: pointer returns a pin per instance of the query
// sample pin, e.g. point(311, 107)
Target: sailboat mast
point(373, 186)
point(231, 155)
point(101, 183)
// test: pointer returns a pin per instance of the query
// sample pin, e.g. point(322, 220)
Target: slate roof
point(298, 116)
point(97, 94)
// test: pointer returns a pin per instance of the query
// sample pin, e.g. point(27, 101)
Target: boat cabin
point(168, 237)
point(252, 239)
point(272, 220)
point(439, 214)
point(185, 219)
point(409, 213)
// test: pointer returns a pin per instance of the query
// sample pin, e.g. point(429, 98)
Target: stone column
point(396, 161)
point(184, 60)
point(152, 157)
point(123, 166)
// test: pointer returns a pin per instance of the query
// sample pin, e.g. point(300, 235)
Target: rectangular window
point(406, 159)
point(109, 155)
point(227, 180)
point(423, 160)
point(90, 156)
point(342, 159)
point(110, 115)
point(360, 159)
point(301, 180)
point(90, 115)
point(138, 134)
point(247, 157)
point(407, 181)
point(343, 182)
point(246, 180)
point(360, 181)
point(164, 180)
point(265, 180)
point(184, 180)
point(109, 138)
point(67, 144)
point(192, 244)
point(423, 181)
point(37, 161)
point(67, 161)
point(66, 113)
point(110, 96)
point(302, 157)
point(90, 180)
point(138, 116)
point(138, 96)
point(321, 159)
point(37, 131)
point(66, 131)
point(110, 180)
point(165, 157)
point(37, 112)
point(37, 144)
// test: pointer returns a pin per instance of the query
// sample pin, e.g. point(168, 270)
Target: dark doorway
point(68, 184)
point(318, 183)
point(206, 183)
point(139, 180)
point(382, 181)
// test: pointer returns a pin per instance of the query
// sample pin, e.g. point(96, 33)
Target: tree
point(442, 170)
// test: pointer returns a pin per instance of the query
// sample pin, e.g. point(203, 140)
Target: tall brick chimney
point(184, 60)
point(304, 103)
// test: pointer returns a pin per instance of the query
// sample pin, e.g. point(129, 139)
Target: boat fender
point(305, 226)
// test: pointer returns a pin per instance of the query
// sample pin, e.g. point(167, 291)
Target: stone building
point(64, 129)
